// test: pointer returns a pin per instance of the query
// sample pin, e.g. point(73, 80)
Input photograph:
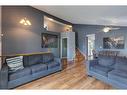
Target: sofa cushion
point(20, 73)
point(103, 70)
point(48, 57)
point(15, 63)
point(25, 61)
point(33, 59)
point(107, 61)
point(121, 63)
point(117, 75)
point(38, 68)
point(52, 64)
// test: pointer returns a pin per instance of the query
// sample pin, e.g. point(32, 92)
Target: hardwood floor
point(72, 77)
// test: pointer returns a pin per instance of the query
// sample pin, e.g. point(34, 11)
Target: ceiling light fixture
point(106, 29)
point(25, 22)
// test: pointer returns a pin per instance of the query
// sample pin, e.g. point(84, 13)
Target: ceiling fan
point(109, 28)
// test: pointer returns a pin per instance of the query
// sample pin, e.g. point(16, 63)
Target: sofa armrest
point(91, 63)
point(59, 61)
point(4, 77)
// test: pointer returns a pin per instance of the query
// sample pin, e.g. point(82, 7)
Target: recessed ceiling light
point(70, 26)
point(50, 19)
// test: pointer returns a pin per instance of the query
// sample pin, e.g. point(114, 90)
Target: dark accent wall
point(19, 39)
point(56, 51)
point(83, 30)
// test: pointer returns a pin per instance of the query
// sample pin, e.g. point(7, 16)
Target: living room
point(44, 49)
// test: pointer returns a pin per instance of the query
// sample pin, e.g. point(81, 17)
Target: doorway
point(90, 45)
point(64, 47)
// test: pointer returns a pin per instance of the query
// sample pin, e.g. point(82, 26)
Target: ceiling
point(95, 15)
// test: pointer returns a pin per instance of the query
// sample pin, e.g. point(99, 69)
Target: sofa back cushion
point(37, 59)
point(48, 57)
point(32, 60)
point(121, 63)
point(107, 61)
point(108, 53)
point(25, 61)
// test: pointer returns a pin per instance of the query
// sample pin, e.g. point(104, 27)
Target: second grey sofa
point(109, 69)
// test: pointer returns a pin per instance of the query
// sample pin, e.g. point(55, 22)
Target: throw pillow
point(15, 63)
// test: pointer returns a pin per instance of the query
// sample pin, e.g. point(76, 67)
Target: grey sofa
point(109, 69)
point(36, 66)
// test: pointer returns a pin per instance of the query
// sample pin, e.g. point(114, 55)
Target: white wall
point(70, 44)
point(56, 26)
point(0, 38)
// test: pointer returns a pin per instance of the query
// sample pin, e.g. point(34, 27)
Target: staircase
point(79, 56)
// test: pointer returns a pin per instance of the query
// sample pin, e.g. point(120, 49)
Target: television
point(49, 40)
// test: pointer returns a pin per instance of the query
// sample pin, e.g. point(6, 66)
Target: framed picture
point(49, 40)
point(113, 42)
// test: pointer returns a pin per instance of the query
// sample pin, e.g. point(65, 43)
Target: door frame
point(87, 37)
point(62, 47)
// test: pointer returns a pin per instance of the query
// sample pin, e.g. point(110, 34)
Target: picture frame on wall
point(49, 40)
point(113, 42)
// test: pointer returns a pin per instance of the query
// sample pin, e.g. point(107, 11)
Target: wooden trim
point(28, 54)
point(32, 53)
